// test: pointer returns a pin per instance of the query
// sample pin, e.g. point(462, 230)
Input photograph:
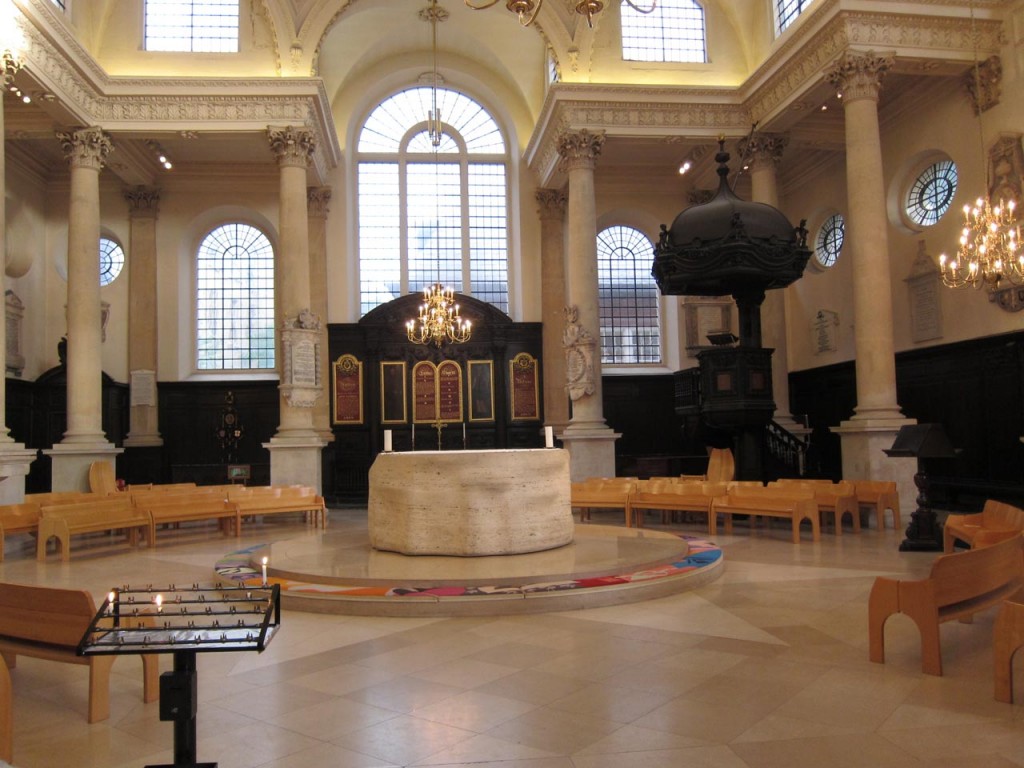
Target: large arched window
point(235, 300)
point(432, 214)
point(627, 297)
point(673, 31)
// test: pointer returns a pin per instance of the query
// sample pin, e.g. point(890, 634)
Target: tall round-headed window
point(111, 260)
point(427, 213)
point(829, 242)
point(235, 300)
point(627, 297)
point(931, 194)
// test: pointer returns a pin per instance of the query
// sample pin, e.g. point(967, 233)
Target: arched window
point(235, 300)
point(111, 260)
point(432, 214)
point(627, 297)
point(787, 11)
point(673, 31)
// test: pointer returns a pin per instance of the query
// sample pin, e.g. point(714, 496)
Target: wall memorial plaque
point(525, 398)
point(424, 392)
point(481, 390)
point(449, 391)
point(143, 391)
point(825, 331)
point(392, 393)
point(348, 390)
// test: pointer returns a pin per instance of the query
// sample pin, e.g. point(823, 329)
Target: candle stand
point(183, 621)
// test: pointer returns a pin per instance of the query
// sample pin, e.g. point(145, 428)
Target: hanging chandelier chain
point(527, 10)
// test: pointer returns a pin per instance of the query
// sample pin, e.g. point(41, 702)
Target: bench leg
point(99, 687)
point(150, 677)
point(1007, 639)
point(883, 602)
point(6, 716)
point(10, 659)
point(931, 650)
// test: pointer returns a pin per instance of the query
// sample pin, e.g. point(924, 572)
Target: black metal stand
point(923, 534)
point(179, 702)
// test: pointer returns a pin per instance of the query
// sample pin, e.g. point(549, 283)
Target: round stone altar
point(470, 503)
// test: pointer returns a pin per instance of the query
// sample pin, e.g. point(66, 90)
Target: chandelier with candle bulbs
point(439, 321)
point(989, 254)
point(527, 10)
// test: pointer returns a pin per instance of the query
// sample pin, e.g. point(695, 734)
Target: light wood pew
point(996, 521)
point(101, 478)
point(793, 504)
point(279, 499)
point(879, 495)
point(17, 518)
point(48, 623)
point(835, 499)
point(1007, 639)
point(105, 513)
point(672, 495)
point(173, 508)
point(60, 497)
point(6, 716)
point(958, 586)
point(602, 493)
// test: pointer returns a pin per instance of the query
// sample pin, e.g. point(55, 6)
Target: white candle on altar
point(387, 441)
point(549, 437)
point(264, 571)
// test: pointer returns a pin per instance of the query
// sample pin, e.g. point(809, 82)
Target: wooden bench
point(1007, 639)
point(189, 506)
point(105, 513)
point(279, 499)
point(602, 493)
point(17, 518)
point(835, 499)
point(48, 623)
point(996, 521)
point(958, 586)
point(6, 717)
point(671, 495)
point(794, 504)
point(879, 495)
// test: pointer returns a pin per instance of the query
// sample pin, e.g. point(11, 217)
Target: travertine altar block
point(499, 502)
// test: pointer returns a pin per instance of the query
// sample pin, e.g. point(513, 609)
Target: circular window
point(931, 194)
point(830, 240)
point(111, 261)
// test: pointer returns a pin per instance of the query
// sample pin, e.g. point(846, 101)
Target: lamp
point(439, 320)
point(434, 13)
point(527, 10)
point(989, 254)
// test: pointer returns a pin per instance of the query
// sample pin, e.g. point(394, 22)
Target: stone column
point(14, 458)
point(143, 207)
point(318, 200)
point(877, 417)
point(551, 207)
point(295, 449)
point(86, 150)
point(591, 443)
point(763, 152)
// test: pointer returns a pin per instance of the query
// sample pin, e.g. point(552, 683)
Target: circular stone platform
point(338, 572)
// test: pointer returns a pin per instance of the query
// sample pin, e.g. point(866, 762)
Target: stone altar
point(470, 503)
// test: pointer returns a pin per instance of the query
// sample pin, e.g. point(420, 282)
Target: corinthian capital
point(85, 147)
point(552, 203)
point(317, 201)
point(763, 148)
point(293, 146)
point(859, 75)
point(143, 201)
point(579, 149)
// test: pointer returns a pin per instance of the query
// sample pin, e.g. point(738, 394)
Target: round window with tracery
point(829, 242)
point(111, 261)
point(931, 194)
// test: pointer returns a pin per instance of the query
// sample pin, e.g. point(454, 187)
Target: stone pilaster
point(143, 210)
point(551, 205)
point(318, 205)
point(591, 443)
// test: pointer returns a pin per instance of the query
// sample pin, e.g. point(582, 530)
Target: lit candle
point(549, 437)
point(111, 597)
point(387, 441)
point(159, 600)
point(264, 571)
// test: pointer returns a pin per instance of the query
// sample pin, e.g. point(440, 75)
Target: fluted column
point(295, 449)
point(762, 152)
point(590, 442)
point(551, 207)
point(318, 201)
point(143, 209)
point(877, 416)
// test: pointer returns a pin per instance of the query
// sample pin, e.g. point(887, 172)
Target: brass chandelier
point(989, 254)
point(527, 10)
point(439, 321)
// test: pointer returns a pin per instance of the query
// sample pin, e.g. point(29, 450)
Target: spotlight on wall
point(685, 166)
point(161, 154)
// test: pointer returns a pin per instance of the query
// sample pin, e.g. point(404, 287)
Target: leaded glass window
point(672, 32)
point(931, 194)
point(111, 260)
point(627, 297)
point(829, 242)
point(787, 11)
point(198, 26)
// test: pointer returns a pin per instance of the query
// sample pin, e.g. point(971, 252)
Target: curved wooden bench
point(602, 493)
point(48, 623)
point(996, 521)
point(1007, 639)
point(794, 504)
point(958, 586)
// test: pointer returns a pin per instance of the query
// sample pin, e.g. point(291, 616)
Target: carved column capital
point(143, 202)
point(984, 83)
point(318, 201)
point(85, 147)
point(763, 149)
point(552, 203)
point(859, 75)
point(579, 149)
point(292, 146)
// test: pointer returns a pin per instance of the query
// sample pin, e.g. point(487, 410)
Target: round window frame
point(826, 220)
point(915, 181)
point(116, 265)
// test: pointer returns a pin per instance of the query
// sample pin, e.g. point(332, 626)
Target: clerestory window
point(196, 26)
point(787, 11)
point(672, 32)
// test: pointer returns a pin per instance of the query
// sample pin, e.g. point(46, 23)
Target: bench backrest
point(60, 497)
point(101, 477)
point(104, 505)
point(45, 614)
point(1004, 514)
point(973, 573)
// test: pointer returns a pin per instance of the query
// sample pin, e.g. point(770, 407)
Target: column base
point(14, 463)
point(143, 441)
point(591, 451)
point(69, 467)
point(296, 461)
point(863, 447)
